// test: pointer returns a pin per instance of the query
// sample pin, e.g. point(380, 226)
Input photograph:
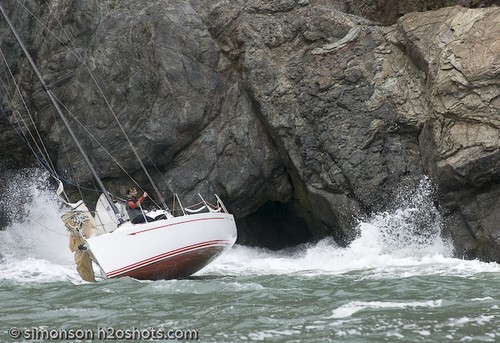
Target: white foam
point(481, 320)
point(397, 244)
point(482, 299)
point(205, 286)
point(36, 270)
point(264, 335)
point(352, 307)
point(400, 243)
point(34, 246)
point(326, 257)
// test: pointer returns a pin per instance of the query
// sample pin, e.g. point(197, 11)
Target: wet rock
point(294, 112)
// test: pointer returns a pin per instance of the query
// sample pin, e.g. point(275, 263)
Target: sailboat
point(169, 248)
point(165, 246)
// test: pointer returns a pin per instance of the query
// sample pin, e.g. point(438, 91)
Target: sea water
point(397, 281)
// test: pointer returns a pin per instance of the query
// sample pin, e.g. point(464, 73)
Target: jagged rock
point(460, 140)
point(301, 117)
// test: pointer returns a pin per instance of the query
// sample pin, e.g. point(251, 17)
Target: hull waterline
point(165, 249)
point(178, 266)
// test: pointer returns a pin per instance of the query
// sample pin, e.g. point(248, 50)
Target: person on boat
point(134, 209)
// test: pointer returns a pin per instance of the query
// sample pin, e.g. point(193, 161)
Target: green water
point(269, 298)
point(394, 283)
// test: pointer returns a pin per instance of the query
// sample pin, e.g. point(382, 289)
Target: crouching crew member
point(134, 210)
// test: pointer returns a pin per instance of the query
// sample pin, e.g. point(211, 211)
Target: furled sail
point(80, 224)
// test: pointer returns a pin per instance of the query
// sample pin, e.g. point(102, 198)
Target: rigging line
point(59, 111)
point(38, 155)
point(100, 145)
point(77, 54)
point(46, 156)
point(54, 83)
point(48, 166)
point(42, 160)
point(49, 86)
point(96, 140)
point(160, 173)
point(158, 194)
point(65, 148)
point(23, 137)
point(45, 26)
point(47, 228)
point(11, 98)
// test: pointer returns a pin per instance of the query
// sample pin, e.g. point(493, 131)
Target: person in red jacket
point(134, 209)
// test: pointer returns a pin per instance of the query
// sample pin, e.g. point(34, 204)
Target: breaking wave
point(34, 245)
point(403, 242)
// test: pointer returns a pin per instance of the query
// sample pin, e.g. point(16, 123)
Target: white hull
point(164, 249)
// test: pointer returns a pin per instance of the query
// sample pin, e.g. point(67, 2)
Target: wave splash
point(34, 245)
point(402, 242)
point(413, 229)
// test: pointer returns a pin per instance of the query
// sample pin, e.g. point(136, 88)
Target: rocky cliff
point(302, 117)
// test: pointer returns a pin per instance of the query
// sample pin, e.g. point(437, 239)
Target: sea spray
point(407, 235)
point(411, 229)
point(376, 289)
point(35, 243)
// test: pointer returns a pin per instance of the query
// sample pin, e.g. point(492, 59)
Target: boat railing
point(220, 203)
point(103, 217)
point(204, 206)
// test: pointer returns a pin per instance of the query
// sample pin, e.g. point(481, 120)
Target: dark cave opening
point(275, 226)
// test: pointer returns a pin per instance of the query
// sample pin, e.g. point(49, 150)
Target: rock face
point(301, 117)
point(387, 12)
point(460, 139)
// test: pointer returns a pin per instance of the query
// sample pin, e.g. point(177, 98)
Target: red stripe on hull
point(179, 223)
point(180, 265)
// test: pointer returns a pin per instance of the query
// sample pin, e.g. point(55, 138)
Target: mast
point(62, 116)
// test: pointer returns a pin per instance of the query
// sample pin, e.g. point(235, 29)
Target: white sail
point(105, 218)
point(167, 247)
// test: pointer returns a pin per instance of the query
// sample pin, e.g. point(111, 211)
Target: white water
point(394, 244)
point(34, 247)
